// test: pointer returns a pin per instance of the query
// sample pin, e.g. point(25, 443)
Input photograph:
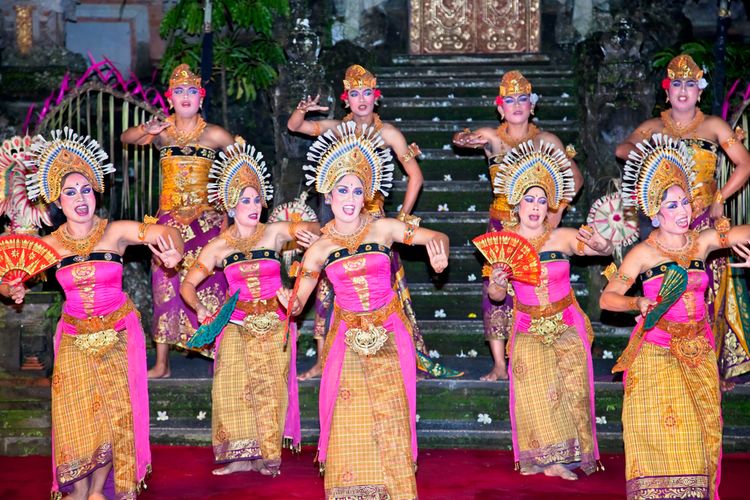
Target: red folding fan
point(24, 256)
point(513, 252)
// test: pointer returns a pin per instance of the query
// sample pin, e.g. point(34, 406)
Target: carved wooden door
point(473, 26)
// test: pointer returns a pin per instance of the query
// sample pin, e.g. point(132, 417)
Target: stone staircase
point(429, 102)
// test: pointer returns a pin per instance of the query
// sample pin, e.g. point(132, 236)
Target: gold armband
point(738, 136)
point(297, 271)
point(412, 151)
point(570, 151)
point(610, 271)
point(143, 227)
point(722, 226)
point(199, 266)
point(625, 278)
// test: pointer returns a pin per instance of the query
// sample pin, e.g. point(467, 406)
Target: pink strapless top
point(257, 277)
point(691, 306)
point(361, 281)
point(92, 286)
point(553, 286)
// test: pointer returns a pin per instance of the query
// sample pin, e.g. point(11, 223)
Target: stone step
point(458, 73)
point(467, 108)
point(410, 60)
point(486, 88)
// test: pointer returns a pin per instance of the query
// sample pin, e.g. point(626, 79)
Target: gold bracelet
point(570, 151)
point(633, 304)
point(718, 198)
point(316, 131)
point(580, 247)
point(408, 219)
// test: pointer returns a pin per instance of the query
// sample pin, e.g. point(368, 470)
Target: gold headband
point(357, 77)
point(654, 167)
point(514, 82)
point(683, 67)
point(65, 154)
point(349, 151)
point(527, 166)
point(240, 167)
point(183, 76)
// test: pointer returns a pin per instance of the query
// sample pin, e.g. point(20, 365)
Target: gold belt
point(365, 334)
point(262, 316)
point(97, 334)
point(688, 342)
point(547, 321)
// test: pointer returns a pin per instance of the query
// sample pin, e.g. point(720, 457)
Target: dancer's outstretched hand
point(155, 126)
point(645, 305)
point(16, 290)
point(743, 250)
point(438, 255)
point(593, 239)
point(469, 139)
point(311, 104)
point(306, 238)
point(166, 252)
point(499, 277)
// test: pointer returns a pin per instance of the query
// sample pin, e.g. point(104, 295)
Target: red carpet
point(185, 473)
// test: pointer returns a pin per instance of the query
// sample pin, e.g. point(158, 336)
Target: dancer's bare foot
point(97, 496)
point(313, 372)
point(726, 385)
point(239, 466)
point(159, 371)
point(558, 470)
point(531, 470)
point(499, 372)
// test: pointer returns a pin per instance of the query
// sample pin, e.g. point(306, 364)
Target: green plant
point(245, 53)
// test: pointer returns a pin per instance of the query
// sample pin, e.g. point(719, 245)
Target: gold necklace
point(184, 138)
point(244, 245)
point(504, 134)
point(537, 242)
point(349, 241)
point(674, 129)
point(376, 122)
point(81, 246)
point(682, 255)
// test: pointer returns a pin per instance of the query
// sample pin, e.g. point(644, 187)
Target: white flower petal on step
point(471, 208)
point(446, 147)
point(565, 118)
point(451, 96)
point(310, 353)
point(399, 207)
point(467, 244)
point(162, 416)
point(397, 119)
point(484, 418)
point(404, 178)
point(201, 415)
point(447, 178)
point(443, 207)
point(434, 354)
point(601, 420)
point(471, 277)
point(416, 417)
point(461, 354)
point(436, 119)
point(417, 96)
point(583, 292)
point(472, 353)
point(440, 313)
point(607, 354)
point(470, 119)
point(483, 177)
point(564, 95)
point(574, 278)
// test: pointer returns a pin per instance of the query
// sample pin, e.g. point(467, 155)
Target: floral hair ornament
point(66, 153)
point(350, 150)
point(655, 166)
point(182, 75)
point(544, 166)
point(357, 78)
point(683, 67)
point(239, 167)
point(512, 83)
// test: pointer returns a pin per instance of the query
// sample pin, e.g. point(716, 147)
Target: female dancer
point(368, 442)
point(187, 147)
point(703, 135)
point(515, 103)
point(99, 396)
point(671, 413)
point(361, 94)
point(551, 373)
point(254, 396)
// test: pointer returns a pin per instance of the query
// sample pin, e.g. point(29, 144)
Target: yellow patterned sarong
point(250, 396)
point(672, 426)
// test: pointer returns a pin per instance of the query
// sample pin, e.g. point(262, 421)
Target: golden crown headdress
point(350, 150)
point(654, 167)
point(357, 77)
point(527, 166)
point(683, 67)
point(66, 153)
point(513, 82)
point(182, 75)
point(234, 170)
